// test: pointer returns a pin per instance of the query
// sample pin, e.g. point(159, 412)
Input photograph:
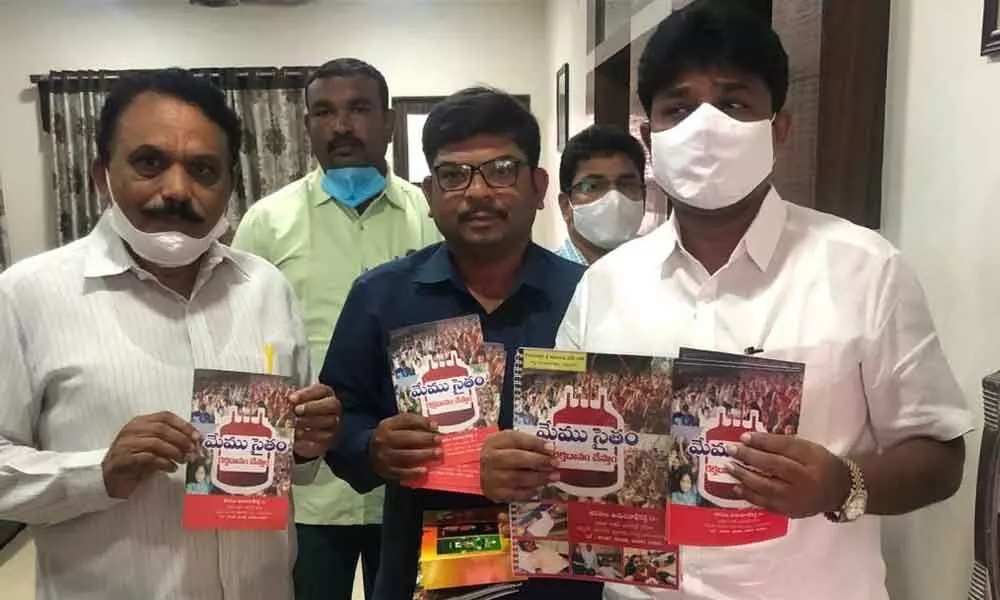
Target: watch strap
point(857, 487)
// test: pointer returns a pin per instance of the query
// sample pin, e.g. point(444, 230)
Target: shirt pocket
point(276, 357)
point(834, 409)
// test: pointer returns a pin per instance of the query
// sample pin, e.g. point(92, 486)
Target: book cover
point(447, 373)
point(609, 418)
point(717, 398)
point(242, 475)
point(466, 554)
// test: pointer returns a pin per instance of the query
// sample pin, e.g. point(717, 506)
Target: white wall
point(424, 47)
point(567, 43)
point(942, 206)
point(567, 33)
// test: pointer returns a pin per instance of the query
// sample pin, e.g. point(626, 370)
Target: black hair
point(351, 67)
point(675, 479)
point(175, 83)
point(713, 33)
point(481, 110)
point(594, 141)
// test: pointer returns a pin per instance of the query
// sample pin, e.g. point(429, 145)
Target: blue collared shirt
point(422, 288)
point(569, 251)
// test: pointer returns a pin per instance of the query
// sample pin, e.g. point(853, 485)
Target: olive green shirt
point(322, 246)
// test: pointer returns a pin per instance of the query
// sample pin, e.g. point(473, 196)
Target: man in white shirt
point(737, 268)
point(589, 556)
point(542, 525)
point(100, 341)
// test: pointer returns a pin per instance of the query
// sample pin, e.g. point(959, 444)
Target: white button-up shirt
point(802, 286)
point(90, 341)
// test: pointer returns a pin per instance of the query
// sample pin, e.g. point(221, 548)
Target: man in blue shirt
point(602, 192)
point(484, 193)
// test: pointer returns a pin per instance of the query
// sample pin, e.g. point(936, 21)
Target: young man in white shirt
point(738, 267)
point(100, 342)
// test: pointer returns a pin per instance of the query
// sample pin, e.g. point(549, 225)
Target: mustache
point(174, 210)
point(344, 140)
point(492, 211)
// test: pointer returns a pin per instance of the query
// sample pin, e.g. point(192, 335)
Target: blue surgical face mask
point(352, 186)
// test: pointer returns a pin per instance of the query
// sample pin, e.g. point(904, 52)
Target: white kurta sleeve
point(37, 487)
point(910, 387)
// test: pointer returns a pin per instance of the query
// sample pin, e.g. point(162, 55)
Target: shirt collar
point(108, 255)
point(571, 252)
point(439, 268)
point(314, 183)
point(759, 241)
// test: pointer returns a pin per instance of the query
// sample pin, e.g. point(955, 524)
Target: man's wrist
point(843, 488)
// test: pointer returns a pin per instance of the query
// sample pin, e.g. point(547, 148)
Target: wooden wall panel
point(852, 107)
point(838, 53)
point(800, 25)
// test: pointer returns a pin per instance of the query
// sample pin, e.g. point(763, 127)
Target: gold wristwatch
point(856, 503)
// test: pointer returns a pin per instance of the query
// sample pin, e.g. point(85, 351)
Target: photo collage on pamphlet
point(242, 475)
point(642, 445)
point(717, 398)
point(605, 518)
point(445, 372)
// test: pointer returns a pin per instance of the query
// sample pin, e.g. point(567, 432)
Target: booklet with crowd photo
point(608, 417)
point(242, 475)
point(717, 398)
point(465, 555)
point(447, 373)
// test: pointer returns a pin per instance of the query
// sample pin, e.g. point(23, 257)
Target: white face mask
point(711, 160)
point(169, 249)
point(609, 221)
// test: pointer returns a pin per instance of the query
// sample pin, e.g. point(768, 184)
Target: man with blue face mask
point(349, 215)
point(601, 192)
point(739, 269)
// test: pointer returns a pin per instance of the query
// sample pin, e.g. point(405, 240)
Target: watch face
point(856, 506)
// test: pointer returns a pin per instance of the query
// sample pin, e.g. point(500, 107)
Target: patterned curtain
point(74, 101)
point(275, 150)
point(4, 246)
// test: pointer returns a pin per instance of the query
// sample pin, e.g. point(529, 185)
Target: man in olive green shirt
point(349, 215)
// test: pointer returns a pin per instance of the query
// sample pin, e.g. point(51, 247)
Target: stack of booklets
point(465, 555)
point(641, 445)
point(446, 372)
point(242, 475)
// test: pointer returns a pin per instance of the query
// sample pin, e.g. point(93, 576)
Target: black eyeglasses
point(497, 173)
point(593, 188)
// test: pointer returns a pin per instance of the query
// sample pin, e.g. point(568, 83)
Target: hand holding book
point(145, 445)
point(516, 465)
point(788, 475)
point(317, 421)
point(403, 445)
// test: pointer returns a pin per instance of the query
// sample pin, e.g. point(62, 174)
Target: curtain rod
point(52, 81)
point(238, 72)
